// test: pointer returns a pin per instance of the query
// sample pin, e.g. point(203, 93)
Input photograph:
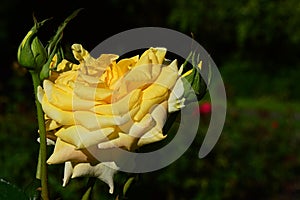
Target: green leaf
point(127, 185)
point(11, 192)
point(88, 192)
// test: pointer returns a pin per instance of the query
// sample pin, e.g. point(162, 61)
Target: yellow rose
point(105, 103)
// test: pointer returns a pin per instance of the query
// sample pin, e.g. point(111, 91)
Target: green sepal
point(53, 46)
point(52, 43)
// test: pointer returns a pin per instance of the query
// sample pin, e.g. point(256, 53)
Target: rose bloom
point(105, 103)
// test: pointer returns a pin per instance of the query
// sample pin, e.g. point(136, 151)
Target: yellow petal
point(138, 129)
point(92, 93)
point(93, 71)
point(159, 90)
point(93, 121)
point(66, 78)
point(148, 66)
point(113, 74)
point(121, 106)
point(40, 94)
point(57, 114)
point(123, 141)
point(104, 171)
point(81, 137)
point(151, 137)
point(64, 100)
point(68, 171)
point(166, 79)
point(153, 95)
point(66, 65)
point(64, 152)
point(153, 56)
point(80, 53)
point(51, 125)
point(125, 64)
point(138, 77)
point(160, 54)
point(104, 61)
point(168, 75)
point(159, 114)
point(176, 99)
point(92, 80)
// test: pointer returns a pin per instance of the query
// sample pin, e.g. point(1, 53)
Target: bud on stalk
point(31, 52)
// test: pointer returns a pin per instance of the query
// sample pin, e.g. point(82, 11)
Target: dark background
point(256, 46)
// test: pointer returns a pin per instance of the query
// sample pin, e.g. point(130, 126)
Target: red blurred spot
point(205, 108)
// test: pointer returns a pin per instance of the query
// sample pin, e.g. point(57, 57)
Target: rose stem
point(42, 131)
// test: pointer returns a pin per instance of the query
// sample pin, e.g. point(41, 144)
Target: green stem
point(43, 144)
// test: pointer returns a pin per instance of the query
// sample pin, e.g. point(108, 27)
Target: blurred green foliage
point(256, 29)
point(259, 21)
point(254, 43)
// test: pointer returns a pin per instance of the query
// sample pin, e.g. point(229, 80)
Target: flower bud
point(194, 80)
point(31, 52)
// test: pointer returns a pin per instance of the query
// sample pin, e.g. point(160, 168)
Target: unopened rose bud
point(31, 52)
point(194, 79)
